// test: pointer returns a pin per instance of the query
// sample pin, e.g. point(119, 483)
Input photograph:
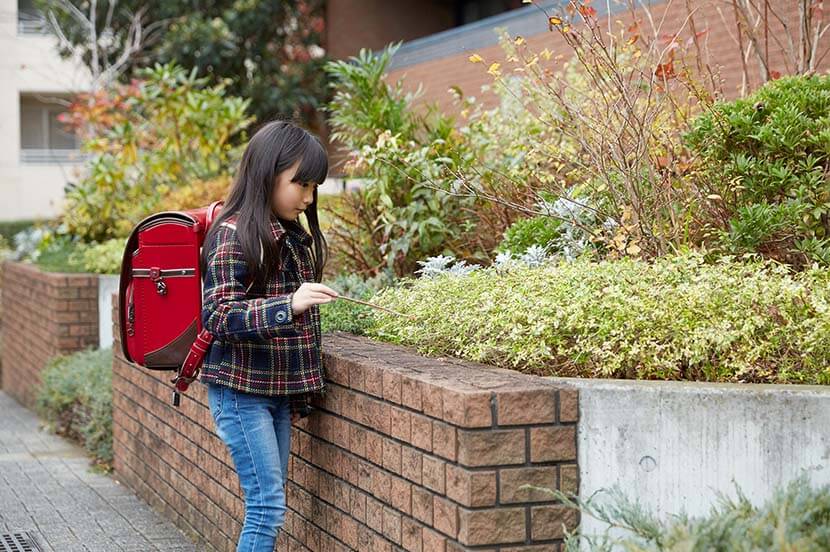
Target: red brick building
point(440, 35)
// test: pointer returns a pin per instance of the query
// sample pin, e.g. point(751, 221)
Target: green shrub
point(524, 233)
point(796, 518)
point(766, 159)
point(147, 140)
point(100, 258)
point(11, 227)
point(407, 156)
point(677, 318)
point(58, 253)
point(75, 397)
point(346, 316)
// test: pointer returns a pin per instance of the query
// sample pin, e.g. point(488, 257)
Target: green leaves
point(677, 318)
point(146, 140)
point(75, 397)
point(767, 156)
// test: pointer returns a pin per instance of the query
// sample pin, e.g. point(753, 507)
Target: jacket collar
point(292, 229)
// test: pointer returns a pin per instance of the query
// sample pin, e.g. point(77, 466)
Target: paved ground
point(48, 490)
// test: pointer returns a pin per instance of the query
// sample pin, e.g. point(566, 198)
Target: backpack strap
point(190, 368)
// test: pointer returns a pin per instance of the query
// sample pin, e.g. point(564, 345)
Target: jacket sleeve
point(226, 313)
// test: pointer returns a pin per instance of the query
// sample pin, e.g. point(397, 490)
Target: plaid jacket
point(260, 346)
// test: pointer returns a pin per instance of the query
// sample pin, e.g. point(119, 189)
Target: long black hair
point(276, 146)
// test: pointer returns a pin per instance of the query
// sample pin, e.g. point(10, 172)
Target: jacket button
point(280, 316)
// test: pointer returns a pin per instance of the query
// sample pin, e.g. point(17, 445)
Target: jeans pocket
point(216, 399)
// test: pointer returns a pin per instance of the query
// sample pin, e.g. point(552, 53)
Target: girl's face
point(291, 198)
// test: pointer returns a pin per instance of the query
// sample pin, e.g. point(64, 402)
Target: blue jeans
point(257, 431)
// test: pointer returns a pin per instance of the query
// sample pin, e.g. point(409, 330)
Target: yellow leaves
point(546, 54)
point(494, 69)
point(518, 41)
point(554, 20)
point(475, 58)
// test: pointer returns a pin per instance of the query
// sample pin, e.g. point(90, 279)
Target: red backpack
point(160, 294)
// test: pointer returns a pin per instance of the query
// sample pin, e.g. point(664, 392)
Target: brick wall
point(438, 75)
point(44, 314)
point(405, 453)
point(355, 24)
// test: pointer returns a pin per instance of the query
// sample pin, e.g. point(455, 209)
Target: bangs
point(314, 163)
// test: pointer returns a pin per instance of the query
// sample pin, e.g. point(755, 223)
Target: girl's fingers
point(320, 288)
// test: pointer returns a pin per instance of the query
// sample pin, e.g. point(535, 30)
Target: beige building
point(37, 156)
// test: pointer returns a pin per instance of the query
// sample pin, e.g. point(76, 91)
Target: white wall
point(672, 445)
point(29, 64)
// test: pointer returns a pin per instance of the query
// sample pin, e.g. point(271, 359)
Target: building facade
point(37, 156)
point(439, 36)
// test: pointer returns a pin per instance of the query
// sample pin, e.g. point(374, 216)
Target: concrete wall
point(29, 65)
point(673, 445)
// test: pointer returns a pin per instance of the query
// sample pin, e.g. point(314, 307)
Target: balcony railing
point(51, 156)
point(29, 24)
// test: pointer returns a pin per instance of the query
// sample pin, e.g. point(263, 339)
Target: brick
point(445, 516)
point(356, 376)
point(392, 456)
point(422, 505)
point(401, 495)
point(411, 394)
point(569, 478)
point(433, 541)
point(480, 527)
point(467, 409)
point(400, 424)
point(568, 405)
point(552, 443)
point(471, 488)
point(392, 386)
point(527, 406)
point(411, 466)
point(374, 513)
point(433, 475)
point(491, 448)
point(411, 539)
point(374, 380)
point(444, 441)
point(358, 505)
point(510, 481)
point(433, 399)
point(392, 525)
point(338, 372)
point(548, 522)
point(374, 448)
point(421, 434)
point(357, 440)
point(381, 485)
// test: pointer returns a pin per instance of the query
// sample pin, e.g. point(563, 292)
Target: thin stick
point(375, 306)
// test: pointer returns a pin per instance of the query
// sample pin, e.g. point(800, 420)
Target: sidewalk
point(48, 490)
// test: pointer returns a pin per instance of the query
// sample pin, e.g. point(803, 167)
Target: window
point(30, 20)
point(43, 138)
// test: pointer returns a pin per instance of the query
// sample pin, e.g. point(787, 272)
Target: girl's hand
point(311, 293)
point(294, 417)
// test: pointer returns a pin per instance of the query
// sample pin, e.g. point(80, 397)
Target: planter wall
point(44, 314)
point(675, 445)
point(405, 453)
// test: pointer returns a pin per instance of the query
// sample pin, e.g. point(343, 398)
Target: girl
point(261, 302)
